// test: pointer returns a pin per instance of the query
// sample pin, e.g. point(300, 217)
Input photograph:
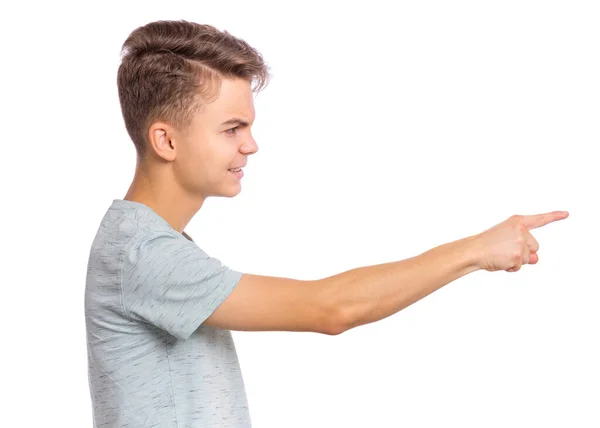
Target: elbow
point(335, 330)
point(337, 318)
point(334, 317)
point(339, 321)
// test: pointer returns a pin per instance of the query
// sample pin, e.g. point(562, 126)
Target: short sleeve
point(171, 283)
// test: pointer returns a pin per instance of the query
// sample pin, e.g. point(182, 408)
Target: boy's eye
point(232, 130)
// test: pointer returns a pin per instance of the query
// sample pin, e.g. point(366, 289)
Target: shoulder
point(152, 245)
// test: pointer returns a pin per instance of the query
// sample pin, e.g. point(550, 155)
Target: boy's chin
point(230, 192)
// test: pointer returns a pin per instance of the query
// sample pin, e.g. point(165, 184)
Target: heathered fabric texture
point(152, 363)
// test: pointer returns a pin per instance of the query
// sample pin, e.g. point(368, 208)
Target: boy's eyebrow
point(235, 121)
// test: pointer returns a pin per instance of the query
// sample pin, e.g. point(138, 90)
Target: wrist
point(472, 251)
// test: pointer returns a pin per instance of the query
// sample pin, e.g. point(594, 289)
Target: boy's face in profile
point(214, 143)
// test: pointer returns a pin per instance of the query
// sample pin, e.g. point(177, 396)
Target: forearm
point(371, 293)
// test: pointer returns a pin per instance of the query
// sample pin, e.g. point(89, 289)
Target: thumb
point(533, 258)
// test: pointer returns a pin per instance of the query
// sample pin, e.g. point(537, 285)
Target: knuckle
point(518, 227)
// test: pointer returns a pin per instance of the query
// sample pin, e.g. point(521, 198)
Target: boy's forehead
point(235, 101)
point(234, 114)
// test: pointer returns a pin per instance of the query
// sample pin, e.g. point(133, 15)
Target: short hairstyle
point(170, 69)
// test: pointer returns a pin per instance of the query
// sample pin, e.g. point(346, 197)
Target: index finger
point(539, 220)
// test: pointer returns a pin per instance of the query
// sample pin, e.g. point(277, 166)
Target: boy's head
point(178, 83)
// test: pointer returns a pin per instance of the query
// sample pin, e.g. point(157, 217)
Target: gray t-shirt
point(151, 360)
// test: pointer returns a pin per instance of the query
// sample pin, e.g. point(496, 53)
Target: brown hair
point(170, 69)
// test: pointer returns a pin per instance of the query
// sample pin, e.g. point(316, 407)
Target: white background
point(388, 128)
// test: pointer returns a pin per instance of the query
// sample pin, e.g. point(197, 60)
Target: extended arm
point(343, 301)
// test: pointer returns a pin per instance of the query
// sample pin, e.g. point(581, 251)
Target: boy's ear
point(161, 141)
